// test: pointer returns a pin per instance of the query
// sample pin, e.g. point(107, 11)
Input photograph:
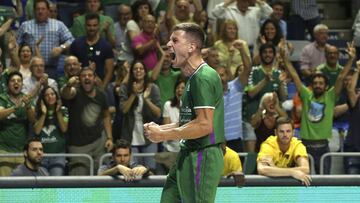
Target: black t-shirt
point(86, 117)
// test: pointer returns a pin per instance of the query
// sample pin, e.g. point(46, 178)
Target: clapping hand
point(43, 107)
point(147, 92)
point(41, 38)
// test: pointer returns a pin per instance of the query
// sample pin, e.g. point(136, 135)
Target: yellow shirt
point(270, 148)
point(232, 162)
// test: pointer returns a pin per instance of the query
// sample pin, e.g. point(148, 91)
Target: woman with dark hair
point(171, 114)
point(140, 103)
point(270, 32)
point(121, 72)
point(140, 9)
point(51, 125)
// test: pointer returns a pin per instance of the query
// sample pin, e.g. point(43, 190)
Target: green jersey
point(331, 74)
point(51, 136)
point(167, 85)
point(257, 75)
point(13, 128)
point(203, 90)
point(317, 114)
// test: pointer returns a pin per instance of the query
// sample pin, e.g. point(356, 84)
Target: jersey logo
point(48, 129)
point(316, 112)
point(11, 116)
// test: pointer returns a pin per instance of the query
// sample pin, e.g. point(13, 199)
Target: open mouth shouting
point(172, 56)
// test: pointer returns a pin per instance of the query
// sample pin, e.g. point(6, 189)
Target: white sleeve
point(166, 109)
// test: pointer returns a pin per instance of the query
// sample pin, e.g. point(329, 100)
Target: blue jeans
point(146, 161)
point(55, 165)
point(317, 148)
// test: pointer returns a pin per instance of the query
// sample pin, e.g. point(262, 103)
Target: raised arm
point(219, 10)
point(290, 68)
point(69, 92)
point(14, 52)
point(265, 9)
point(19, 8)
point(169, 14)
point(198, 11)
point(157, 69)
point(244, 50)
point(5, 27)
point(352, 96)
point(108, 29)
point(141, 48)
point(340, 79)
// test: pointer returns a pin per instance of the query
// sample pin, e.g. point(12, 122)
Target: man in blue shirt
point(57, 37)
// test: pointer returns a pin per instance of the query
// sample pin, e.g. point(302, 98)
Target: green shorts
point(195, 176)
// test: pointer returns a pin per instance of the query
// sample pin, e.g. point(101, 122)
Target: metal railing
point(335, 154)
point(312, 164)
point(108, 155)
point(241, 154)
point(158, 181)
point(58, 155)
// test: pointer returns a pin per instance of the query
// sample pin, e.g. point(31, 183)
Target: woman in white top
point(171, 114)
point(140, 103)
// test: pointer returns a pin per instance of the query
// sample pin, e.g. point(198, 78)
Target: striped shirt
point(54, 31)
point(233, 110)
point(307, 9)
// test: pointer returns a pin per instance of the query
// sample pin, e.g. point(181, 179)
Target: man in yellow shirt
point(232, 161)
point(283, 154)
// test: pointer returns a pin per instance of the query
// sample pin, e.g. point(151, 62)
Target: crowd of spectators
point(78, 76)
